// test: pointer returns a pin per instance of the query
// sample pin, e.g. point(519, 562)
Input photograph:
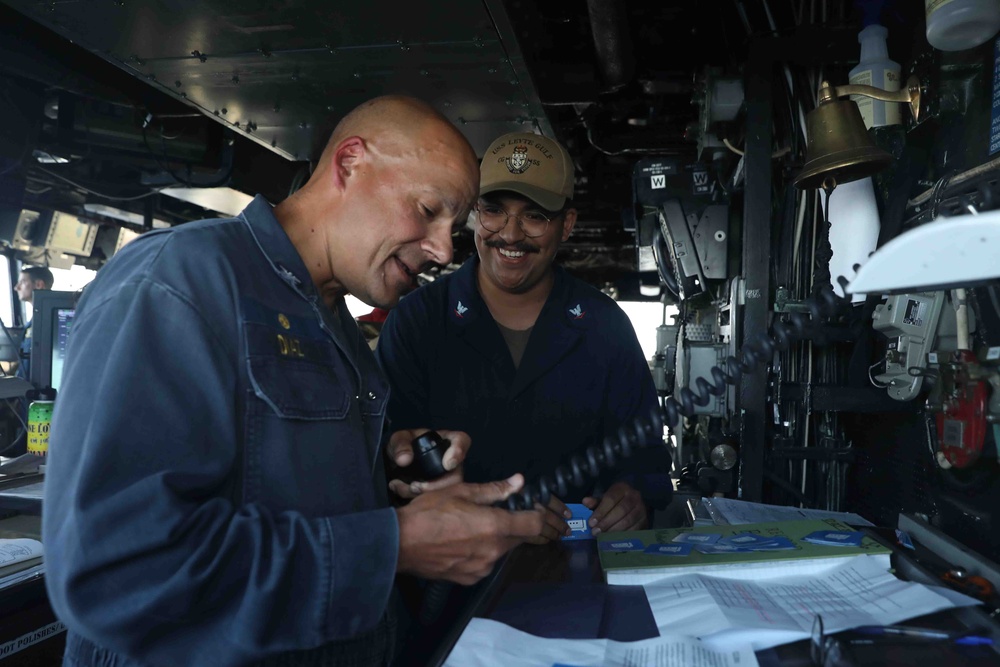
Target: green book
point(638, 567)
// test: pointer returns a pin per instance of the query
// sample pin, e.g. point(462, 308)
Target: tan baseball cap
point(531, 165)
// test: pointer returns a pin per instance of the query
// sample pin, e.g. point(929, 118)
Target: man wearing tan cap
point(532, 363)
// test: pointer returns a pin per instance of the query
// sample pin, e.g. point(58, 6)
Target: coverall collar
point(556, 332)
point(277, 247)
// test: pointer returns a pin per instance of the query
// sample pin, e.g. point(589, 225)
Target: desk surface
point(531, 591)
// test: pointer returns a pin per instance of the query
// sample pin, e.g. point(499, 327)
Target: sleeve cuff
point(364, 548)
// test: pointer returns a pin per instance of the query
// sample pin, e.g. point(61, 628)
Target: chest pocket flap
point(297, 376)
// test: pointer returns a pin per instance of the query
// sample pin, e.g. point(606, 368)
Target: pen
point(921, 633)
point(961, 641)
point(903, 631)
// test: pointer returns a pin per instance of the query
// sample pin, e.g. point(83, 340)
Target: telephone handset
point(641, 432)
point(429, 448)
point(428, 454)
point(645, 430)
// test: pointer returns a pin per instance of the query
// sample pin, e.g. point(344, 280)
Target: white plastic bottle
point(956, 25)
point(875, 69)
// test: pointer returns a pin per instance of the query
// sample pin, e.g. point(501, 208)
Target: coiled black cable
point(644, 430)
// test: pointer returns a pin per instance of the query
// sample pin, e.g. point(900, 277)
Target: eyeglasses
point(824, 650)
point(493, 218)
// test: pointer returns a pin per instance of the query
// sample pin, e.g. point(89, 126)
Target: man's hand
point(555, 526)
point(454, 534)
point(400, 452)
point(621, 508)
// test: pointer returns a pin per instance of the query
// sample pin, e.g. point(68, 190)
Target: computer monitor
point(52, 318)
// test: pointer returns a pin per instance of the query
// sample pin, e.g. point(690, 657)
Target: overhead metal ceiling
point(613, 81)
point(275, 72)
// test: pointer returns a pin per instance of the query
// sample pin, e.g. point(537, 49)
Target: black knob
point(428, 454)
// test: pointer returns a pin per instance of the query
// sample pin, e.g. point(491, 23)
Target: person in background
point(32, 278)
point(533, 364)
point(215, 493)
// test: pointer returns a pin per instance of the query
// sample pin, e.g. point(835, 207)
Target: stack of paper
point(747, 552)
point(725, 511)
point(17, 550)
point(725, 612)
point(487, 643)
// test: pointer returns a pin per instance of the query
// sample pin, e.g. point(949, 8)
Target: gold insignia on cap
point(518, 162)
point(530, 165)
point(283, 321)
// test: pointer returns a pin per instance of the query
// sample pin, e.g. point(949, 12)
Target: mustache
point(520, 246)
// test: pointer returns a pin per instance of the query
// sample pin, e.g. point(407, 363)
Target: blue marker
point(923, 633)
point(974, 640)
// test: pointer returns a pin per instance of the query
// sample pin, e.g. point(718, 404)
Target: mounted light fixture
point(839, 149)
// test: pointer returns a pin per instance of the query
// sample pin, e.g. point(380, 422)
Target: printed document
point(727, 511)
point(19, 549)
point(726, 613)
point(487, 643)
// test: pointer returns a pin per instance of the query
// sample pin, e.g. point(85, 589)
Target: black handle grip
point(428, 458)
point(428, 454)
